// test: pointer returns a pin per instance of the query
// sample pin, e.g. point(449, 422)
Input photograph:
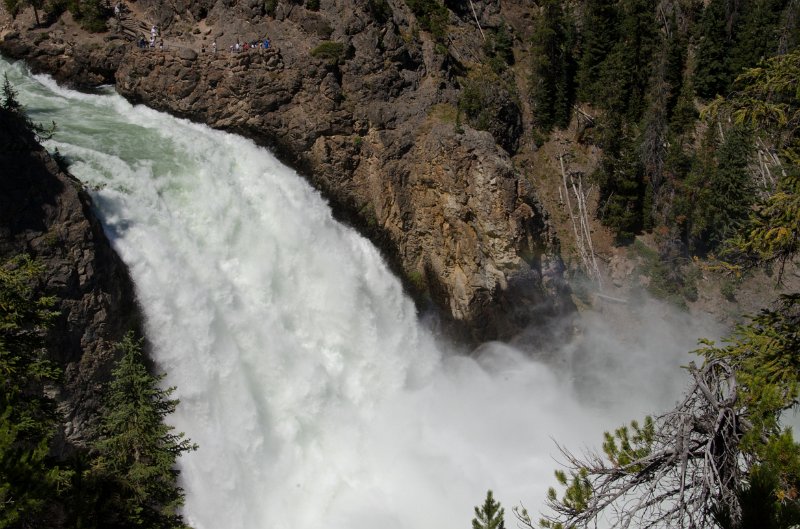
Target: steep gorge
point(374, 124)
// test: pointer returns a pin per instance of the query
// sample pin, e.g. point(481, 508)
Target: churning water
point(317, 398)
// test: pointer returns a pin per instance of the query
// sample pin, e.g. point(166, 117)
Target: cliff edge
point(363, 102)
point(45, 214)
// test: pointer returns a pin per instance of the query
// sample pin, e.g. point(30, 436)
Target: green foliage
point(28, 478)
point(761, 504)
point(711, 76)
point(489, 515)
point(618, 41)
point(763, 353)
point(90, 14)
point(756, 34)
point(138, 450)
point(312, 5)
point(16, 115)
point(331, 52)
point(489, 102)
point(270, 6)
point(598, 38)
point(417, 281)
point(672, 278)
point(499, 47)
point(768, 101)
point(624, 449)
point(732, 39)
point(552, 67)
point(719, 191)
point(10, 101)
point(623, 188)
point(578, 493)
point(432, 16)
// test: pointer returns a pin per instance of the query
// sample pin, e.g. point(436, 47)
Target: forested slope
point(644, 73)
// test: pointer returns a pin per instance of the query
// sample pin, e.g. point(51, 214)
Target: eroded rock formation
point(372, 121)
point(45, 214)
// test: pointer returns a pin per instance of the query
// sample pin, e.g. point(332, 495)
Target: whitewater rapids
point(316, 396)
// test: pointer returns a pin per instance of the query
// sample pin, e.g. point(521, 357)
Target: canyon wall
point(365, 104)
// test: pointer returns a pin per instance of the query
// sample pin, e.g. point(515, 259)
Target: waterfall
point(315, 394)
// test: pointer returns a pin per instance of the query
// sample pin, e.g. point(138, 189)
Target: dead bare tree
point(766, 161)
point(580, 220)
point(474, 14)
point(688, 465)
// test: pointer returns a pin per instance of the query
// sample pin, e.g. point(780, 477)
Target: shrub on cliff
point(17, 126)
point(432, 15)
point(490, 103)
point(331, 52)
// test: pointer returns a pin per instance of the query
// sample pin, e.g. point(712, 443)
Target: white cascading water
point(317, 398)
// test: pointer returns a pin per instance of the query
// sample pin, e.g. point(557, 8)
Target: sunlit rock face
point(372, 123)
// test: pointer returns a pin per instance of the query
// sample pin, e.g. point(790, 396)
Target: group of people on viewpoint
point(257, 44)
point(152, 44)
point(237, 47)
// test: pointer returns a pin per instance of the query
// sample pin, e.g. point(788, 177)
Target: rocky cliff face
point(44, 213)
point(364, 104)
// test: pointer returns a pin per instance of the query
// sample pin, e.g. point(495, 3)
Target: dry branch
point(692, 464)
point(580, 227)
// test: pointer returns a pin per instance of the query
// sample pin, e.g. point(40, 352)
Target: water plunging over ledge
point(316, 396)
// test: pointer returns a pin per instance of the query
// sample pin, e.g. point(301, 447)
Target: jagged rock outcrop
point(45, 213)
point(69, 60)
point(365, 105)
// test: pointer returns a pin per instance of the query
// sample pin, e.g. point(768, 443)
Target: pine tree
point(490, 515)
point(756, 35)
point(597, 40)
point(138, 450)
point(722, 193)
point(710, 74)
point(552, 67)
point(28, 418)
point(10, 101)
point(623, 190)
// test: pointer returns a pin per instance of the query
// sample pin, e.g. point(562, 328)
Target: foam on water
point(314, 393)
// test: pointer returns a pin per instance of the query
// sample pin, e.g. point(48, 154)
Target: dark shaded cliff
point(45, 214)
point(366, 105)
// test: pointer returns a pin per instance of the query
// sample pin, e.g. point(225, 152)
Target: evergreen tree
point(598, 37)
point(636, 48)
point(756, 35)
point(10, 101)
point(490, 515)
point(623, 190)
point(138, 450)
point(552, 68)
point(722, 193)
point(28, 478)
point(710, 73)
